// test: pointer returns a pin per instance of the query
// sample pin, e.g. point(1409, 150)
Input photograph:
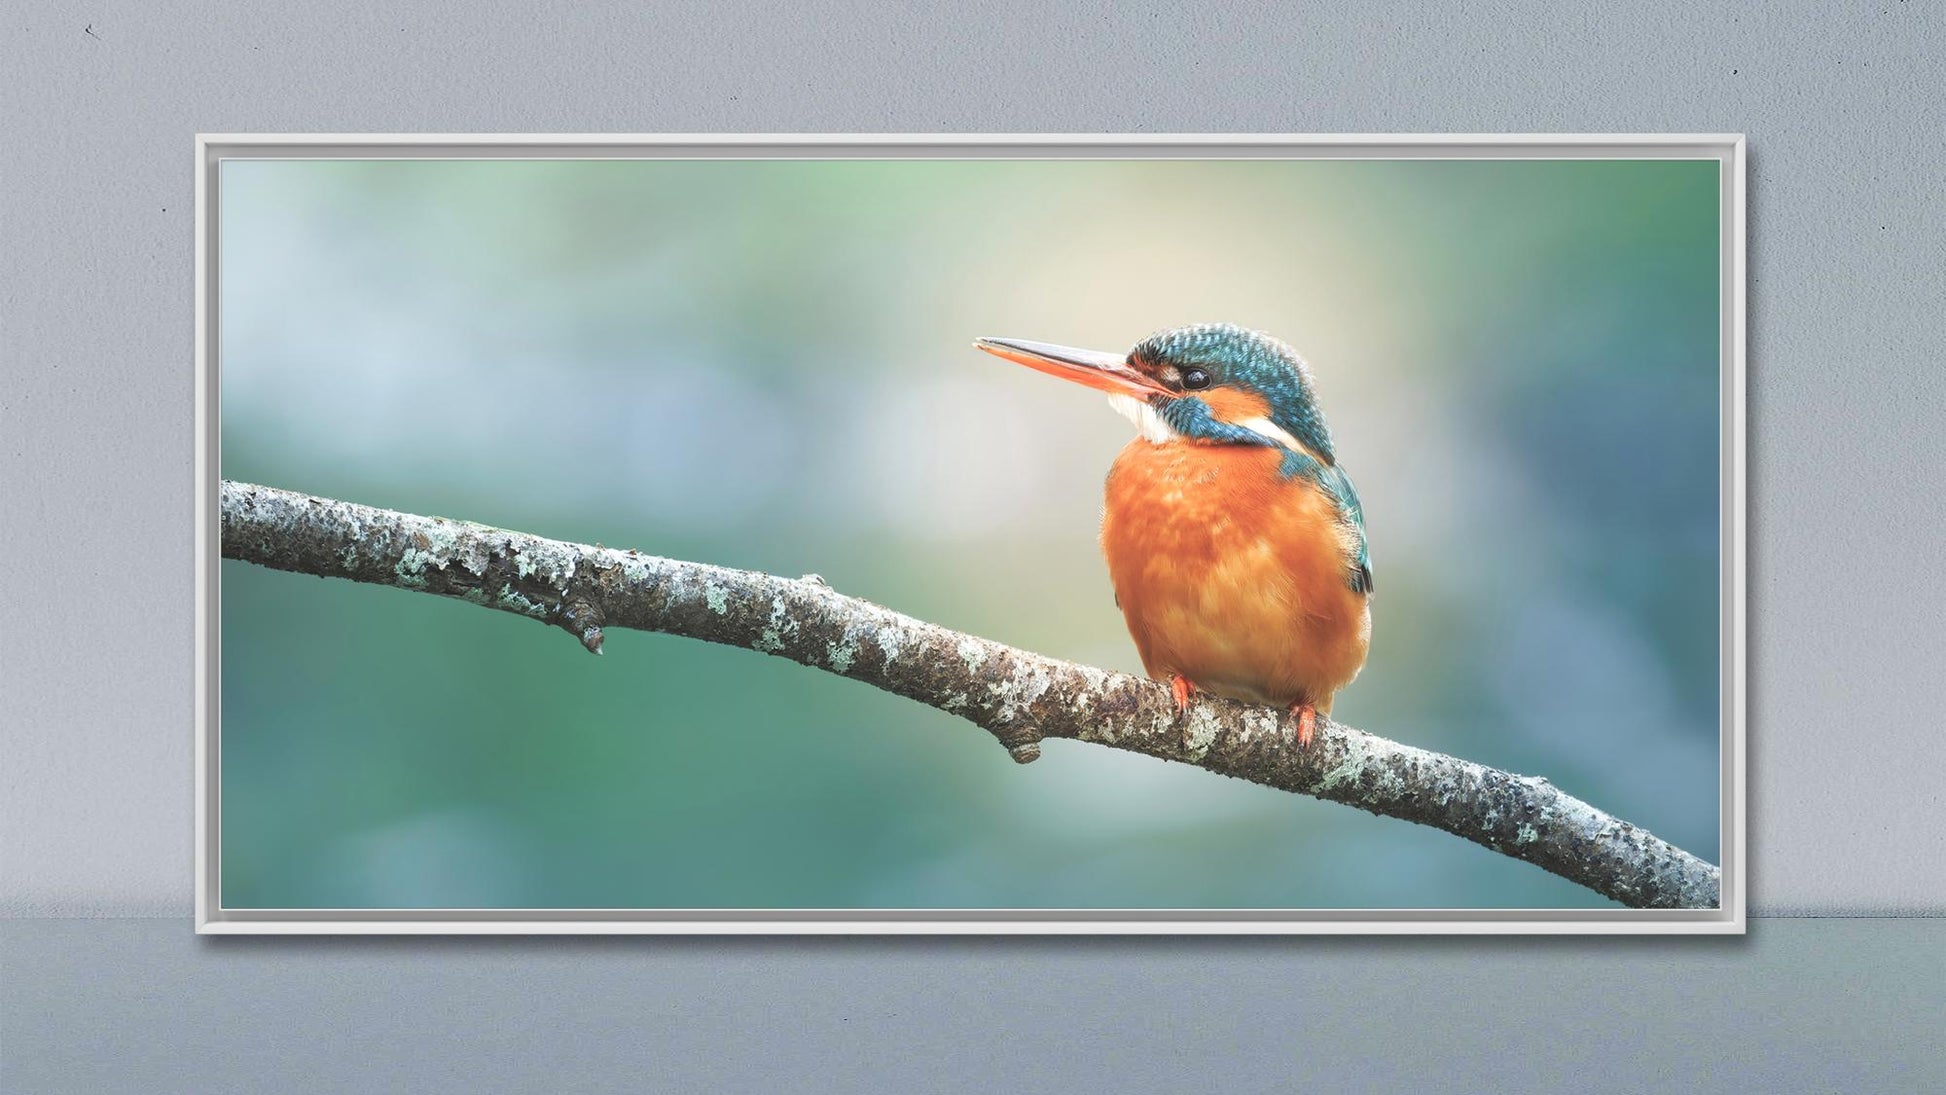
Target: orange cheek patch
point(1235, 404)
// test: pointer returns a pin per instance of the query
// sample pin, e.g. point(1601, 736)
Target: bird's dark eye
point(1195, 379)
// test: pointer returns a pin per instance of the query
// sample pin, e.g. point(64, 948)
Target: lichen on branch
point(1021, 698)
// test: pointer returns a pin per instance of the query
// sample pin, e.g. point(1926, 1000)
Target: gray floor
point(1798, 1005)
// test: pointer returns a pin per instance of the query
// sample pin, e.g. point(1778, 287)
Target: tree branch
point(1019, 697)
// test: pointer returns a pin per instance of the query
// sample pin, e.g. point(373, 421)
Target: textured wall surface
point(1847, 280)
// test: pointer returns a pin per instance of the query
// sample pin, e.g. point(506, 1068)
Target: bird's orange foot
point(1180, 688)
point(1307, 723)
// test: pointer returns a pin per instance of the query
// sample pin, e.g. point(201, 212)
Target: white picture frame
point(1729, 918)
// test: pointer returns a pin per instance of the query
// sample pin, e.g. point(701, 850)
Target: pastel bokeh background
point(767, 365)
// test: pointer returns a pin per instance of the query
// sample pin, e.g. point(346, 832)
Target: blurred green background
point(766, 364)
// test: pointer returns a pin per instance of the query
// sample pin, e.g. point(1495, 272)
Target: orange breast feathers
point(1231, 575)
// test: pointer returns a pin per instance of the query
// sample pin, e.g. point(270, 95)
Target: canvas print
point(881, 536)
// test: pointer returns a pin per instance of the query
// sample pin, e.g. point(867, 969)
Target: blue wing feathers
point(1335, 483)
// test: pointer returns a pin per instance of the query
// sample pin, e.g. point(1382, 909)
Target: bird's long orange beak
point(1103, 372)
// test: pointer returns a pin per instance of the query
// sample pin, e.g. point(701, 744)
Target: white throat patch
point(1149, 423)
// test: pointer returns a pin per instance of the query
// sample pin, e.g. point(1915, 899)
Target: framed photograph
point(698, 534)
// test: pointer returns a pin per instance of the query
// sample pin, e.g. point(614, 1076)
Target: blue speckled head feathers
point(1237, 357)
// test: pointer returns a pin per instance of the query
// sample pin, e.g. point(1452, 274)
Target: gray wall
point(1848, 282)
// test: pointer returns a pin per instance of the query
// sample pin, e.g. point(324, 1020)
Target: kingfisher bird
point(1235, 541)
